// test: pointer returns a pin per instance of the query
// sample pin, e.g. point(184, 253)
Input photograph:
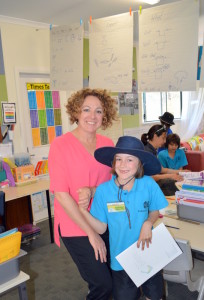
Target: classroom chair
point(2, 212)
point(183, 270)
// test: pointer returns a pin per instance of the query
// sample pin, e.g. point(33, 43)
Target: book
point(193, 187)
point(8, 232)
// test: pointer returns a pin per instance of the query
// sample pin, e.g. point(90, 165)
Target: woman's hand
point(99, 246)
point(145, 235)
point(85, 196)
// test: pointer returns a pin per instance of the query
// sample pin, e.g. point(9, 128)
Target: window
point(155, 104)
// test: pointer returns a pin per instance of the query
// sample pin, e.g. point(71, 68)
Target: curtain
point(192, 113)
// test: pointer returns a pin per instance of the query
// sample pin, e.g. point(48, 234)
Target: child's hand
point(145, 235)
point(84, 197)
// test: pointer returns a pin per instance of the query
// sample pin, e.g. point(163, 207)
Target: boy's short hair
point(172, 138)
point(139, 173)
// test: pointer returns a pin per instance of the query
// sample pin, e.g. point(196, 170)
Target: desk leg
point(22, 291)
point(49, 216)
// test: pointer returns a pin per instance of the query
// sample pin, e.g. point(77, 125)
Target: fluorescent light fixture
point(151, 2)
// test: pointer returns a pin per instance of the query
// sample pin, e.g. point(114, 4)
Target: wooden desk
point(41, 185)
point(194, 233)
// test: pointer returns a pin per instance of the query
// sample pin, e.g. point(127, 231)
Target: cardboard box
point(23, 173)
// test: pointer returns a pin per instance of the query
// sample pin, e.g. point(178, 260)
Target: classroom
point(33, 62)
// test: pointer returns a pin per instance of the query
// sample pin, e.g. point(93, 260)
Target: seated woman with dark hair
point(155, 138)
point(173, 157)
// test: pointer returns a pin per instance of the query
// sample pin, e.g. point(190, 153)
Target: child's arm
point(97, 225)
point(146, 231)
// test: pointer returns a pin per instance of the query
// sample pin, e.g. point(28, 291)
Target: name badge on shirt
point(116, 207)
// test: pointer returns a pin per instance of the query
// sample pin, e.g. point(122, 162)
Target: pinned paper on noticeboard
point(8, 113)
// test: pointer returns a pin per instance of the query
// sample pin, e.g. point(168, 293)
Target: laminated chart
point(45, 116)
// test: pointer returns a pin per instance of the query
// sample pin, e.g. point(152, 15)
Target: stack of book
point(29, 232)
point(190, 198)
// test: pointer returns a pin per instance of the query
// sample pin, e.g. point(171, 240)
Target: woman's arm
point(146, 231)
point(72, 210)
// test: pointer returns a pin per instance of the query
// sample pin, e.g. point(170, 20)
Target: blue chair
point(2, 212)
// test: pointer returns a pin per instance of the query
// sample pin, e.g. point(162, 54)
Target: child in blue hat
point(129, 205)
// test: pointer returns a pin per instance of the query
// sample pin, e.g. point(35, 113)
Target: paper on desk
point(141, 265)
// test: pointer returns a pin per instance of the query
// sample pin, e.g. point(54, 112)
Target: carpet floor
point(54, 276)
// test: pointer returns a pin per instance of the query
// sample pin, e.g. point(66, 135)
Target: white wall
point(24, 48)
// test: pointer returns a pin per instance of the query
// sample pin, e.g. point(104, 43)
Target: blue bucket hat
point(133, 146)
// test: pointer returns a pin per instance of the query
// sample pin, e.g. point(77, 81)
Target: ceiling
point(65, 12)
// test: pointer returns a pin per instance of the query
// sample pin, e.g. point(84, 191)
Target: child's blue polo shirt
point(175, 163)
point(144, 197)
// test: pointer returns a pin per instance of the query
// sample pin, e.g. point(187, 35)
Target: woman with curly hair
point(74, 176)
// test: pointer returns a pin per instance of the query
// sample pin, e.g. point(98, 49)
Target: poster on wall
point(8, 113)
point(45, 113)
point(128, 102)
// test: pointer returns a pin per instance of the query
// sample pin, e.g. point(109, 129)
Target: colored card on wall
point(48, 99)
point(51, 133)
point(43, 136)
point(42, 118)
point(40, 99)
point(36, 137)
point(32, 100)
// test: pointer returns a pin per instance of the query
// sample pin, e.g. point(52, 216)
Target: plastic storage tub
point(190, 212)
point(10, 268)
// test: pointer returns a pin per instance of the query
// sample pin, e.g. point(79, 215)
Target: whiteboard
point(168, 47)
point(66, 57)
point(111, 53)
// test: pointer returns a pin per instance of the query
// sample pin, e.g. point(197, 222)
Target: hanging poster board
point(168, 47)
point(66, 57)
point(111, 54)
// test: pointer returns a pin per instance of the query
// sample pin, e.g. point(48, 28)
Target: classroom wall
point(24, 48)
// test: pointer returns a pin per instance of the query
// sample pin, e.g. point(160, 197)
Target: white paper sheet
point(111, 53)
point(141, 265)
point(168, 47)
point(66, 57)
